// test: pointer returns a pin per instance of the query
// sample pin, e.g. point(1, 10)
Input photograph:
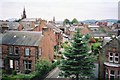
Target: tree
point(74, 21)
point(66, 21)
point(77, 62)
point(43, 67)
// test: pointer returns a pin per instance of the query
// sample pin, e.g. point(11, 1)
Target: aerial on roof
point(26, 38)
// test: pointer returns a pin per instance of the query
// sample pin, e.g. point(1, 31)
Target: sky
point(60, 9)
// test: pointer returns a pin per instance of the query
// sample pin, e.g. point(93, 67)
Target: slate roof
point(27, 26)
point(55, 29)
point(30, 19)
point(10, 25)
point(108, 39)
point(26, 38)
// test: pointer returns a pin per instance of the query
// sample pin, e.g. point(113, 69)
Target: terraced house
point(21, 49)
point(109, 59)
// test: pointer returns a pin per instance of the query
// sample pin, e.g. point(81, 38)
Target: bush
point(43, 67)
point(14, 72)
point(55, 64)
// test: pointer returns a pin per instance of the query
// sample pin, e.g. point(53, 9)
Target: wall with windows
point(19, 58)
point(110, 54)
point(112, 73)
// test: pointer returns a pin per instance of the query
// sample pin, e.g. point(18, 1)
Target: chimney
point(44, 29)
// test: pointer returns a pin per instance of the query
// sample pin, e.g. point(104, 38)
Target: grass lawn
point(19, 76)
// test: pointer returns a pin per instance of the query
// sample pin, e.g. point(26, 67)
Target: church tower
point(24, 14)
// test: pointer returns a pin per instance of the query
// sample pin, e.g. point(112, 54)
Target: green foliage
point(14, 72)
point(95, 47)
point(65, 45)
point(77, 61)
point(43, 67)
point(8, 78)
point(55, 64)
point(74, 21)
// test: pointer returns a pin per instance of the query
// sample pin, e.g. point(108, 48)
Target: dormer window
point(116, 58)
point(110, 57)
point(113, 57)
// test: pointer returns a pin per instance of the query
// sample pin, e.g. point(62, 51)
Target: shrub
point(43, 67)
point(14, 72)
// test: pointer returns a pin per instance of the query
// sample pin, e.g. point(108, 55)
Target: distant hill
point(110, 20)
point(89, 21)
point(106, 20)
point(12, 19)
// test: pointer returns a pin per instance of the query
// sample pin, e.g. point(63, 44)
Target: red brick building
point(109, 59)
point(21, 49)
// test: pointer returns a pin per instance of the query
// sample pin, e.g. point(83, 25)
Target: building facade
point(21, 50)
point(109, 60)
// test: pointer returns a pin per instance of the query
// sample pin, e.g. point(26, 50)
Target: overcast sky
point(61, 9)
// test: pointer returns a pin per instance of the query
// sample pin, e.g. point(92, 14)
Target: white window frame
point(112, 74)
point(106, 73)
point(27, 63)
point(0, 50)
point(118, 75)
point(27, 51)
point(16, 64)
point(40, 52)
point(116, 57)
point(10, 49)
point(11, 63)
point(111, 57)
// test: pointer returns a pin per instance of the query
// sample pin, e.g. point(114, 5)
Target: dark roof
point(27, 38)
point(55, 29)
point(31, 19)
point(10, 25)
point(107, 40)
point(27, 26)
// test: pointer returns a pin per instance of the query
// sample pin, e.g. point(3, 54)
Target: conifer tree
point(77, 62)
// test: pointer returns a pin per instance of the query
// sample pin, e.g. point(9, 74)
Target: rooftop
point(26, 38)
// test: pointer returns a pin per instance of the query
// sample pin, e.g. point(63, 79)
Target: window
point(16, 50)
point(27, 65)
point(112, 75)
point(0, 50)
point(10, 50)
point(27, 52)
point(16, 64)
point(116, 58)
point(118, 75)
point(11, 63)
point(106, 73)
point(111, 57)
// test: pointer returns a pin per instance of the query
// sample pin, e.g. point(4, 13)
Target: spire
point(24, 14)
